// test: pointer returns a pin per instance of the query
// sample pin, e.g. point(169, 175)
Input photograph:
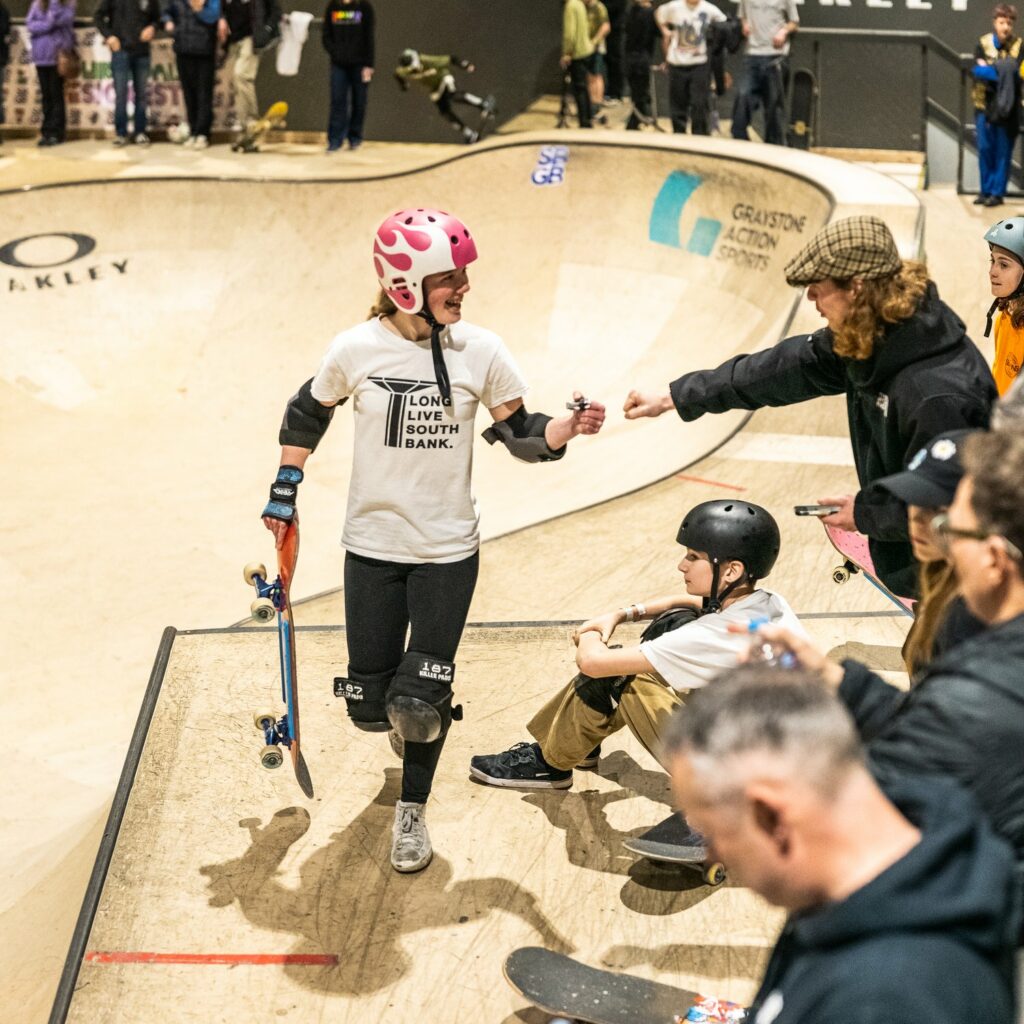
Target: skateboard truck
point(270, 600)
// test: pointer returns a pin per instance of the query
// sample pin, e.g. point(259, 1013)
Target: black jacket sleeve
point(153, 13)
point(794, 370)
point(103, 18)
point(868, 697)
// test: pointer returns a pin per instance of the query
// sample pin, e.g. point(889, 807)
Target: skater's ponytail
point(382, 307)
point(877, 302)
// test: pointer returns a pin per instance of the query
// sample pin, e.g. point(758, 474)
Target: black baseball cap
point(931, 477)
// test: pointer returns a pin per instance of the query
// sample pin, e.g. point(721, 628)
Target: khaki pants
point(245, 64)
point(567, 729)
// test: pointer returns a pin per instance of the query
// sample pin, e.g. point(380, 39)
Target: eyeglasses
point(945, 532)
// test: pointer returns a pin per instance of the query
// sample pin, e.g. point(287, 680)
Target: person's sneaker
point(410, 843)
point(120, 140)
point(354, 143)
point(591, 760)
point(334, 149)
point(981, 200)
point(521, 767)
point(397, 744)
point(469, 136)
point(200, 142)
point(141, 139)
point(994, 201)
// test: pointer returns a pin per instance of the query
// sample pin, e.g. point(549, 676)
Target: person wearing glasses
point(900, 355)
point(964, 717)
point(927, 487)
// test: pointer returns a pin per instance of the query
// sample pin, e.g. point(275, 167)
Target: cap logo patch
point(944, 449)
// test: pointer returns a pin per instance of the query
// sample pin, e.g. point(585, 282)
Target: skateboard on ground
point(674, 842)
point(253, 134)
point(272, 598)
point(857, 559)
point(802, 94)
point(559, 985)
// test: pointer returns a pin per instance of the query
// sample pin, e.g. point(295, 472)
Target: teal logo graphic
point(668, 210)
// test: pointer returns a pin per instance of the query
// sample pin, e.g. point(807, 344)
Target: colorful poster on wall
point(90, 98)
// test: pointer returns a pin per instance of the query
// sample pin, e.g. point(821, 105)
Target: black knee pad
point(419, 700)
point(602, 694)
point(364, 693)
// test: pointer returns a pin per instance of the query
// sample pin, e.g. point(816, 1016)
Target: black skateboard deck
point(672, 841)
point(562, 986)
point(803, 90)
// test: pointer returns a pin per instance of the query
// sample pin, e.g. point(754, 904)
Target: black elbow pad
point(523, 435)
point(305, 419)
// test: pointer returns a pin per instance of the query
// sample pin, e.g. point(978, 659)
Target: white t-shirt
point(693, 654)
point(409, 499)
point(689, 28)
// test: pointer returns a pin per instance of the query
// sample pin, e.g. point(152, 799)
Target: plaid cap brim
point(854, 247)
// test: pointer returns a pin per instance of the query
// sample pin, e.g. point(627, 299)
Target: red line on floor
point(256, 959)
point(712, 483)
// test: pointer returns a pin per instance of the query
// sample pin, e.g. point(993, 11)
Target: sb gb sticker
point(550, 169)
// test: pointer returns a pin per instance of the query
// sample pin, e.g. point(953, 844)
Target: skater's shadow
point(350, 904)
point(593, 843)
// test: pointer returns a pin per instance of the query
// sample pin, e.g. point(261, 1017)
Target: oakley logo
point(39, 252)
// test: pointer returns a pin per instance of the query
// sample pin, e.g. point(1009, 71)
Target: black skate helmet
point(730, 529)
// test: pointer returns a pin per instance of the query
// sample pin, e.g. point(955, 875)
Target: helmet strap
point(988, 316)
point(713, 603)
point(444, 384)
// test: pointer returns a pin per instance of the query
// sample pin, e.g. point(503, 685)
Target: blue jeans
point(995, 151)
point(125, 66)
point(763, 79)
point(348, 105)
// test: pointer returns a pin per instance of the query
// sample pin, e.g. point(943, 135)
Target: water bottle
point(764, 652)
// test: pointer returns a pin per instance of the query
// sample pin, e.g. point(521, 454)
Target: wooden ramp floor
point(229, 896)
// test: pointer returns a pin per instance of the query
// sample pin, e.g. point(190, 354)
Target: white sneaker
point(410, 843)
point(189, 143)
point(200, 142)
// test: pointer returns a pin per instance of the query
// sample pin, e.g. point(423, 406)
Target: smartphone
point(583, 403)
point(815, 510)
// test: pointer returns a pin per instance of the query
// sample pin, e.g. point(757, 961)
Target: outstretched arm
point(536, 437)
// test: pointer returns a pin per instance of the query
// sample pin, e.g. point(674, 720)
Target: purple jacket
point(51, 30)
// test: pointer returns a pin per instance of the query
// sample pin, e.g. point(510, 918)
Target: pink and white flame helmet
point(411, 244)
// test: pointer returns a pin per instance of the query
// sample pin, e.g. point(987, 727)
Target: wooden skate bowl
point(142, 386)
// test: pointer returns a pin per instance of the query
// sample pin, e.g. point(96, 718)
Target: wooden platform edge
point(80, 936)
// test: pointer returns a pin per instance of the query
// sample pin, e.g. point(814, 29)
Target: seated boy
point(731, 544)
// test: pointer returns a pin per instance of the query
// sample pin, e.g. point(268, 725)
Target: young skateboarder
point(730, 545)
point(417, 373)
point(434, 73)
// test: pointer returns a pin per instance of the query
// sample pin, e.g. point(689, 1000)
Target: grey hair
point(1008, 411)
point(789, 715)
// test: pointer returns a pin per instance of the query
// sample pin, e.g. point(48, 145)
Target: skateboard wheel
point(840, 574)
point(271, 758)
point(264, 718)
point(714, 874)
point(262, 609)
point(252, 570)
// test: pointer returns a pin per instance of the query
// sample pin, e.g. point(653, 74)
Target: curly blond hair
point(877, 302)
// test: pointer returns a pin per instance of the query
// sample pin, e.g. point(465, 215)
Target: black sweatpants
point(51, 94)
point(638, 67)
point(689, 95)
point(382, 600)
point(196, 74)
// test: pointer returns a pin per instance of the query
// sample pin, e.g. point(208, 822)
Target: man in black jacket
point(247, 28)
point(964, 717)
point(917, 377)
point(127, 27)
point(903, 905)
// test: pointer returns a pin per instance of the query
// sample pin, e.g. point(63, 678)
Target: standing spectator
point(5, 53)
point(576, 52)
point(684, 30)
point(996, 95)
point(903, 904)
point(641, 35)
point(615, 78)
point(127, 26)
point(247, 27)
point(598, 26)
point(348, 39)
point(767, 24)
point(50, 26)
point(193, 24)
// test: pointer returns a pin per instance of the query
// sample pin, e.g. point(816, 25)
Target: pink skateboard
point(857, 559)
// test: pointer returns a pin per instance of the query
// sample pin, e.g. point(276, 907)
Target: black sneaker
point(520, 767)
point(994, 201)
point(591, 760)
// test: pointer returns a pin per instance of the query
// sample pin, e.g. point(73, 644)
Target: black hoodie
point(963, 719)
point(925, 376)
point(928, 941)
